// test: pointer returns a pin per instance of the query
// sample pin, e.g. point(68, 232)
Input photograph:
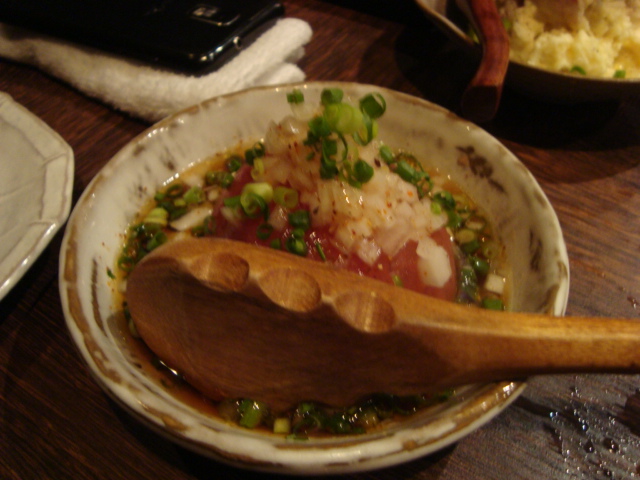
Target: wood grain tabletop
point(56, 422)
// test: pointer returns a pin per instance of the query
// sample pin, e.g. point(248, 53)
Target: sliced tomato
point(404, 265)
point(402, 268)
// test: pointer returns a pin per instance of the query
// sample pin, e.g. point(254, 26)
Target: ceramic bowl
point(532, 81)
point(491, 175)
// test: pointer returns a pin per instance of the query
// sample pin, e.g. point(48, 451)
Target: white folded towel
point(149, 93)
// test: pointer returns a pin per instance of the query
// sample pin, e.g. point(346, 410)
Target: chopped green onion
point(321, 251)
point(374, 105)
point(318, 128)
point(177, 211)
point(158, 216)
point(455, 220)
point(174, 190)
point(397, 281)
point(258, 169)
point(300, 219)
point(367, 132)
point(221, 178)
point(423, 180)
point(157, 240)
point(282, 425)
point(406, 171)
point(264, 231)
point(253, 205)
point(211, 178)
point(232, 202)
point(194, 195)
point(468, 281)
point(226, 180)
point(329, 148)
point(298, 233)
point(234, 162)
point(445, 199)
point(480, 265)
point(328, 169)
point(126, 263)
point(343, 118)
point(338, 424)
point(208, 227)
point(275, 244)
point(255, 199)
point(346, 150)
point(471, 246)
point(256, 151)
point(198, 231)
point(620, 74)
point(286, 197)
point(252, 413)
point(296, 96)
point(262, 189)
point(296, 246)
point(362, 171)
point(578, 69)
point(331, 95)
point(492, 303)
point(386, 154)
point(306, 408)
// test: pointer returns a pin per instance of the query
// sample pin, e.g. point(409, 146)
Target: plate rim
point(10, 111)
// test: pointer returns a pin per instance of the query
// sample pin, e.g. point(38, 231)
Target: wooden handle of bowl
point(482, 97)
point(246, 321)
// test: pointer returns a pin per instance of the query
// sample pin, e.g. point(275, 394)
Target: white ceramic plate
point(95, 233)
point(36, 168)
point(532, 81)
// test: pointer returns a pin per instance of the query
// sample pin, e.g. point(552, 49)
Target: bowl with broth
point(355, 176)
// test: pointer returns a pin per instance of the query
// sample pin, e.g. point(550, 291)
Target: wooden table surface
point(56, 423)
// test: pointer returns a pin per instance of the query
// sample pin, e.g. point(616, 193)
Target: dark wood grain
point(56, 423)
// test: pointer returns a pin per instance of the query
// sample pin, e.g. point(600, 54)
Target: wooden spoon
point(245, 321)
point(481, 99)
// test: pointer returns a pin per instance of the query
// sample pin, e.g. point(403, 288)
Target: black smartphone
point(188, 35)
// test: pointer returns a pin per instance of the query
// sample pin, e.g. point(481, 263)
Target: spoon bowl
point(243, 321)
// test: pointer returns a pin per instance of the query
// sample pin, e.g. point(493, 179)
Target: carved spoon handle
point(246, 321)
